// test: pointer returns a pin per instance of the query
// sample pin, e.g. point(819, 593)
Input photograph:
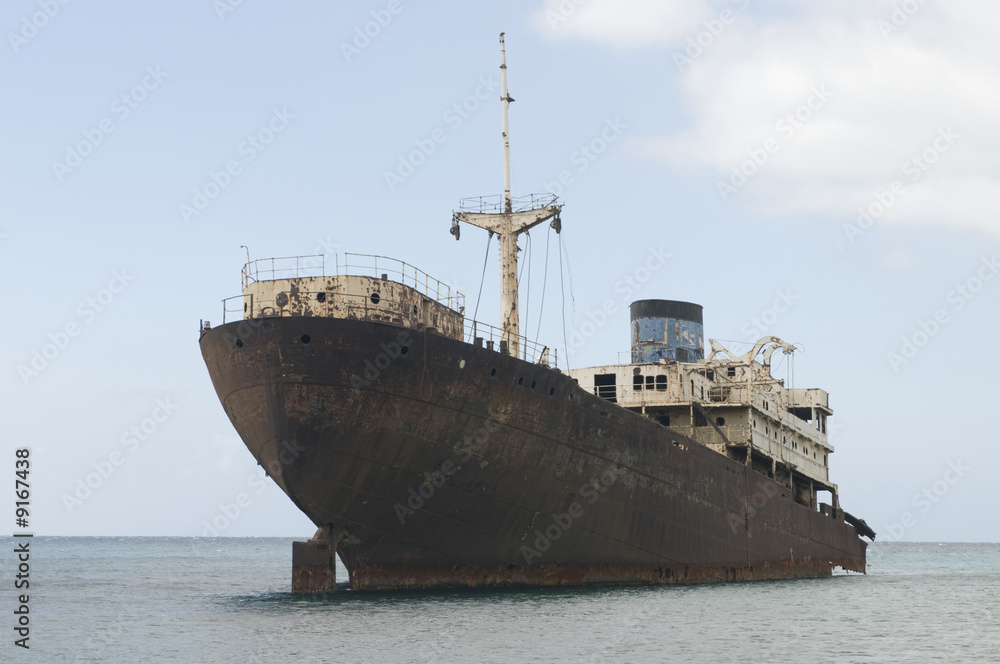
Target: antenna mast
point(505, 100)
point(508, 224)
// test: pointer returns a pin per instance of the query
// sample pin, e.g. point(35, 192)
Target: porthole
point(721, 421)
point(239, 343)
point(306, 338)
point(520, 381)
point(493, 373)
point(552, 391)
point(404, 350)
point(533, 383)
point(321, 297)
point(375, 297)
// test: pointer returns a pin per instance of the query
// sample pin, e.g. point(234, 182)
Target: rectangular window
point(637, 383)
point(661, 383)
point(604, 386)
point(649, 382)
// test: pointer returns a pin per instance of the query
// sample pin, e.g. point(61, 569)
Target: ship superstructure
point(730, 403)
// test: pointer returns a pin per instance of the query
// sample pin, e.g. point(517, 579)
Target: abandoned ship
point(432, 450)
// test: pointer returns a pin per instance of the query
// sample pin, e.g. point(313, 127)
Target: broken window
point(604, 386)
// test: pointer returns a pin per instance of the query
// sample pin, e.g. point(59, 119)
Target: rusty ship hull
point(437, 463)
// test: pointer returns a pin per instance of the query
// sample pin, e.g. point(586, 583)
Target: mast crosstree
point(509, 223)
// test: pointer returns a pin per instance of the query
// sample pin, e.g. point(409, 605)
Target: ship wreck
point(432, 450)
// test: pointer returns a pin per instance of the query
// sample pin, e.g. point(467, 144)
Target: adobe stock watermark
point(248, 149)
point(363, 35)
point(914, 168)
point(757, 326)
point(562, 12)
point(786, 128)
point(121, 107)
point(324, 246)
point(87, 312)
point(714, 28)
point(472, 444)
point(925, 500)
point(32, 24)
point(635, 629)
point(584, 156)
point(764, 493)
point(627, 287)
point(376, 366)
point(439, 648)
point(901, 14)
point(131, 440)
point(224, 7)
point(230, 512)
point(453, 118)
point(592, 491)
point(960, 296)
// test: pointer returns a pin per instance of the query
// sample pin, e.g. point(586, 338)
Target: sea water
point(106, 599)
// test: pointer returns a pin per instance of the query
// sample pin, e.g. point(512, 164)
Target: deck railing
point(370, 265)
point(495, 204)
point(481, 334)
point(359, 265)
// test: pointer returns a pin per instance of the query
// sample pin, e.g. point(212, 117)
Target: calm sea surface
point(227, 600)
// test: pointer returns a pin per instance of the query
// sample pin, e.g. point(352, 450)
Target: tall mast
point(505, 100)
point(509, 225)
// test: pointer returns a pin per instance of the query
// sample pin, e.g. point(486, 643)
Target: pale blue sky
point(886, 91)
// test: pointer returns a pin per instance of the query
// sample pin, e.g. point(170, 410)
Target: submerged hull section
point(436, 463)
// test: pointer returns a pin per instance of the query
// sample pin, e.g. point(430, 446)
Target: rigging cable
point(791, 368)
point(562, 289)
point(545, 276)
point(483, 278)
point(569, 272)
point(527, 297)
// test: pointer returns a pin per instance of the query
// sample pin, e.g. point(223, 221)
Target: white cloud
point(624, 24)
point(897, 78)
